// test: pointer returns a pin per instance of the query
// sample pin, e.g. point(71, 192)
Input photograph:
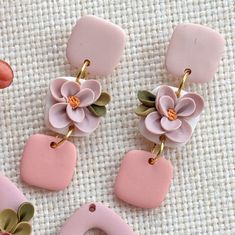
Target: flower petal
point(58, 117)
point(8, 220)
point(70, 88)
point(198, 101)
point(165, 103)
point(169, 125)
point(185, 107)
point(89, 123)
point(152, 123)
point(94, 86)
point(55, 89)
point(23, 228)
point(76, 115)
point(182, 134)
point(86, 97)
point(166, 91)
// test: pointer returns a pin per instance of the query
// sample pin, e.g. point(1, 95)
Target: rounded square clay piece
point(196, 47)
point(96, 40)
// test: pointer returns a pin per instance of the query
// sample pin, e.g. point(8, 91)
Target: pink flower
point(172, 116)
point(71, 102)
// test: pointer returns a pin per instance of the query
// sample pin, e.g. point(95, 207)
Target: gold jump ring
point(83, 72)
point(157, 151)
point(69, 133)
point(187, 72)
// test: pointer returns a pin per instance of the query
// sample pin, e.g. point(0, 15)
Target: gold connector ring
point(69, 133)
point(187, 72)
point(83, 72)
point(157, 150)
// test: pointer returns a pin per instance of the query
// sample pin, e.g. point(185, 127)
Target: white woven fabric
point(33, 37)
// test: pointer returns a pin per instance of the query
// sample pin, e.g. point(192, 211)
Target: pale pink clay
point(95, 215)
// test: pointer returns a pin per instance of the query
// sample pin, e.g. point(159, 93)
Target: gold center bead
point(172, 115)
point(74, 102)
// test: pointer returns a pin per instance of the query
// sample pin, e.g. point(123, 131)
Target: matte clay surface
point(46, 167)
point(6, 74)
point(97, 40)
point(196, 47)
point(142, 184)
point(10, 196)
point(95, 215)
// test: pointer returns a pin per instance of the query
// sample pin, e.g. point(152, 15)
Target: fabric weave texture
point(33, 37)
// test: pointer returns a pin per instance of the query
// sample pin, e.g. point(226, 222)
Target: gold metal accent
point(83, 72)
point(187, 72)
point(69, 133)
point(157, 150)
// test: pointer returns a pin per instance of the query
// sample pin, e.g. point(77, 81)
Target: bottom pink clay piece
point(95, 215)
point(142, 184)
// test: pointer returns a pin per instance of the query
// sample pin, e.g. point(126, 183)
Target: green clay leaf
point(25, 212)
point(8, 220)
point(96, 110)
point(147, 98)
point(143, 111)
point(23, 228)
point(103, 99)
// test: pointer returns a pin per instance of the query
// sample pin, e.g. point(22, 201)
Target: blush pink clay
point(46, 167)
point(97, 40)
point(95, 215)
point(196, 47)
point(142, 184)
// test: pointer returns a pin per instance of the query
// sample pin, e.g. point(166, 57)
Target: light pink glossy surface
point(102, 218)
point(97, 40)
point(46, 167)
point(10, 196)
point(142, 184)
point(196, 47)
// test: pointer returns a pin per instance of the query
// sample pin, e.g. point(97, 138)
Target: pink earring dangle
point(74, 105)
point(169, 115)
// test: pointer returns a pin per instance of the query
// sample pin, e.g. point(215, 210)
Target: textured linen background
point(33, 37)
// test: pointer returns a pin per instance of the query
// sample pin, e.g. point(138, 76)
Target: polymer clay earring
point(6, 74)
point(74, 105)
point(169, 115)
point(15, 211)
point(95, 215)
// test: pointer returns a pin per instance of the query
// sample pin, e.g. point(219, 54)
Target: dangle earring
point(169, 115)
point(74, 105)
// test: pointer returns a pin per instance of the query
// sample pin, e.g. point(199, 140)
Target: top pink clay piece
point(97, 40)
point(196, 47)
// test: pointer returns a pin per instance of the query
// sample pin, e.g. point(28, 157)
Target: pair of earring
point(75, 105)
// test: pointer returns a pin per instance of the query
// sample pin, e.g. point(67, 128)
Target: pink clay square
point(96, 40)
point(46, 167)
point(196, 47)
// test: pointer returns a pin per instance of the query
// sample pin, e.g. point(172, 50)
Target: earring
point(95, 215)
point(74, 105)
point(169, 115)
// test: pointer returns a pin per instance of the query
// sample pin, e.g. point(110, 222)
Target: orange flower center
point(74, 102)
point(172, 115)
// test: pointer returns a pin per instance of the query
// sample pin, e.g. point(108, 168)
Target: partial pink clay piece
point(141, 184)
point(96, 40)
point(95, 215)
point(46, 167)
point(196, 47)
point(6, 74)
point(10, 196)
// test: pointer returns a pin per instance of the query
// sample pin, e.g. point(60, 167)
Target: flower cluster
point(80, 105)
point(166, 114)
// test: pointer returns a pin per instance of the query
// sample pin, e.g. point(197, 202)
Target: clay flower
point(167, 115)
point(12, 222)
point(79, 104)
